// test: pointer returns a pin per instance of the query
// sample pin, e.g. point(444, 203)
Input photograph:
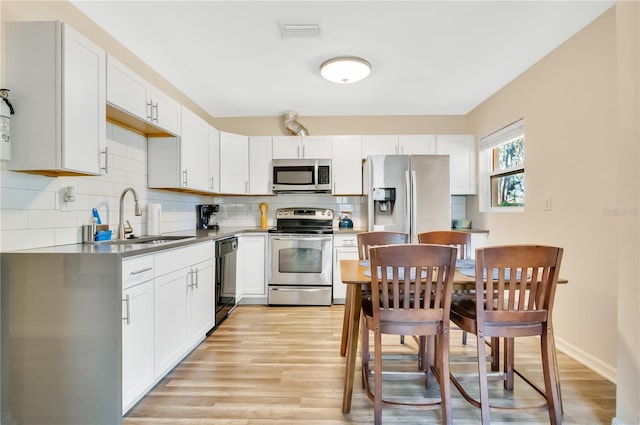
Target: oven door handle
point(301, 238)
point(297, 289)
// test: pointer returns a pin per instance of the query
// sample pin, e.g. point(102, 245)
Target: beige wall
point(628, 201)
point(256, 126)
point(568, 101)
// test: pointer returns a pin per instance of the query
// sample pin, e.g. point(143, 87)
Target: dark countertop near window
point(470, 230)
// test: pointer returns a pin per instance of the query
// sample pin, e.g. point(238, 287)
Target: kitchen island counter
point(64, 310)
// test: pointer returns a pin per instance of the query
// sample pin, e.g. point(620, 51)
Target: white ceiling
point(428, 57)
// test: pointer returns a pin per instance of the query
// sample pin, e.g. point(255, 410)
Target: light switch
point(547, 203)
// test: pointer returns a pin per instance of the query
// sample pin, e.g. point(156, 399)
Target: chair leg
point(509, 356)
point(442, 354)
point(464, 337)
point(377, 362)
point(364, 349)
point(550, 373)
point(495, 354)
point(482, 379)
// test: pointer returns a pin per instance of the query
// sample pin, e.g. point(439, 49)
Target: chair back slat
point(412, 283)
point(516, 283)
point(461, 240)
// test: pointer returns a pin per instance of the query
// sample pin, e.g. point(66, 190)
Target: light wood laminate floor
point(281, 366)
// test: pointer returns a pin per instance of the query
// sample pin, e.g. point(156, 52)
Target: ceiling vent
point(300, 29)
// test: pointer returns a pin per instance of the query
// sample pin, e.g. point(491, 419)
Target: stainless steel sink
point(148, 240)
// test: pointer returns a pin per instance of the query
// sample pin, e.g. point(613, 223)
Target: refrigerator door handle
point(409, 219)
point(413, 237)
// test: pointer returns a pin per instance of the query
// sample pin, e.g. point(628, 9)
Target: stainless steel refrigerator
point(407, 193)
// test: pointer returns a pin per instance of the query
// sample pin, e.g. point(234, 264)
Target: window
point(502, 156)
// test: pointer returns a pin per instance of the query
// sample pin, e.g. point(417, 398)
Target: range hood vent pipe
point(292, 126)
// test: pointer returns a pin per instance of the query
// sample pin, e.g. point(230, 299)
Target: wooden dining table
point(353, 275)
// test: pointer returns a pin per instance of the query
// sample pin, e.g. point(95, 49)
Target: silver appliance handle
point(414, 207)
point(301, 237)
point(297, 289)
point(315, 172)
point(408, 197)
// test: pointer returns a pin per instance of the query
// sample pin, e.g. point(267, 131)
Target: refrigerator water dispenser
point(384, 199)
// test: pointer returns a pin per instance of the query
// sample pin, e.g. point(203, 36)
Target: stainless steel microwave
point(301, 175)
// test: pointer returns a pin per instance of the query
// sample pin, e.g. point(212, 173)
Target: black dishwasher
point(226, 250)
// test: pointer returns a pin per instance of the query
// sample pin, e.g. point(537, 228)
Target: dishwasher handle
point(226, 246)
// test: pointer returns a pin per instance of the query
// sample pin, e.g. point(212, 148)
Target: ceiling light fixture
point(345, 69)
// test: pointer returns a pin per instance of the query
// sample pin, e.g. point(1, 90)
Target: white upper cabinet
point(462, 161)
point(214, 160)
point(234, 164)
point(260, 148)
point(418, 144)
point(181, 162)
point(57, 78)
point(346, 165)
point(379, 145)
point(132, 94)
point(292, 147)
point(194, 151)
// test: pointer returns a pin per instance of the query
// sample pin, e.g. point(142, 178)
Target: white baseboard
point(608, 372)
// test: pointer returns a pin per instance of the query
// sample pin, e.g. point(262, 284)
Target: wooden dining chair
point(411, 289)
point(365, 241)
point(461, 240)
point(515, 289)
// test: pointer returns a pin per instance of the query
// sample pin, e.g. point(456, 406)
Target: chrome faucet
point(137, 211)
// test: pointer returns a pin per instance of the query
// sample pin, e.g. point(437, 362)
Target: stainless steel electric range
point(301, 257)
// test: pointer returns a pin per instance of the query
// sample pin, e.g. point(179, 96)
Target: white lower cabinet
point(345, 247)
point(183, 286)
point(251, 280)
point(478, 240)
point(137, 343)
point(200, 297)
point(137, 329)
point(168, 308)
point(170, 320)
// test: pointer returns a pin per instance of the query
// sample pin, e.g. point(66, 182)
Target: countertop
point(192, 236)
point(131, 249)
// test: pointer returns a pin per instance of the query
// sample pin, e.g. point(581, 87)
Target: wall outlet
point(547, 203)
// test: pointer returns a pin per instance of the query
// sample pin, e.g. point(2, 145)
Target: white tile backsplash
point(458, 207)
